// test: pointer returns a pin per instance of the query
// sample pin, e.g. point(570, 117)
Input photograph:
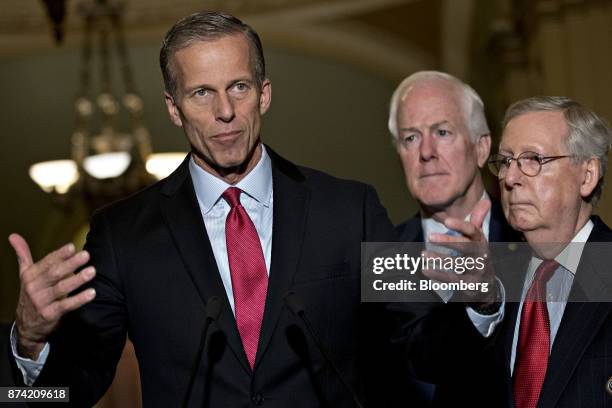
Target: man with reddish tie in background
point(554, 347)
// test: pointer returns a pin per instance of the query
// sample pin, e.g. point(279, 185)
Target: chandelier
point(107, 162)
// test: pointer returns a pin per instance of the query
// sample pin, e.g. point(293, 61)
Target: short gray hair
point(208, 26)
point(472, 105)
point(589, 135)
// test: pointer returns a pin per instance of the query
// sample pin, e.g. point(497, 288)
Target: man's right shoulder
point(410, 230)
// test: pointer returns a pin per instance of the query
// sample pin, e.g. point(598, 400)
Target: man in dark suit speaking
point(218, 244)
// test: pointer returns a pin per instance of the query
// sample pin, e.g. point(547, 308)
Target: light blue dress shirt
point(257, 200)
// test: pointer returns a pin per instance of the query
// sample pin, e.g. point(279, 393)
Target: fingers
point(59, 308)
point(441, 276)
point(68, 285)
point(479, 213)
point(22, 250)
point(66, 268)
point(56, 257)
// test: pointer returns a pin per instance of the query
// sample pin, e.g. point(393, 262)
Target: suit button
point(257, 399)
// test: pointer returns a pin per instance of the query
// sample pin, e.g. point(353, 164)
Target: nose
point(224, 108)
point(427, 149)
point(513, 176)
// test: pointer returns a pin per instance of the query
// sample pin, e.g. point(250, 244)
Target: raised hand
point(44, 295)
point(471, 242)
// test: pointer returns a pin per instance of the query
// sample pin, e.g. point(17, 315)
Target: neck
point(460, 207)
point(231, 175)
point(548, 243)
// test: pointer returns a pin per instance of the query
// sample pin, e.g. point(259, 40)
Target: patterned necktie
point(533, 345)
point(248, 271)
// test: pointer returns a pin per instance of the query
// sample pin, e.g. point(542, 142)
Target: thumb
point(22, 250)
point(480, 212)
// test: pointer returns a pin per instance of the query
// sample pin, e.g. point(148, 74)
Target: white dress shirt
point(558, 287)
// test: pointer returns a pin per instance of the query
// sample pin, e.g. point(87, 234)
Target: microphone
point(213, 310)
point(294, 303)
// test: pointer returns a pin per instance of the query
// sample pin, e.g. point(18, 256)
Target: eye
point(409, 139)
point(442, 132)
point(532, 157)
point(201, 92)
point(241, 87)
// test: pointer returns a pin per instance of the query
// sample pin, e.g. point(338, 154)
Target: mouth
point(433, 175)
point(226, 137)
point(520, 204)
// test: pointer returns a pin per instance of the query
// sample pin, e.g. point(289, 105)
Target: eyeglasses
point(530, 163)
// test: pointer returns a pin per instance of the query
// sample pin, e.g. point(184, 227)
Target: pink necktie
point(248, 271)
point(534, 340)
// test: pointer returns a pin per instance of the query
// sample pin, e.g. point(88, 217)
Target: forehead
point(542, 132)
point(229, 53)
point(430, 102)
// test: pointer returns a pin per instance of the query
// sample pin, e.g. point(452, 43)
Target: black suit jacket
point(156, 271)
point(580, 363)
point(9, 374)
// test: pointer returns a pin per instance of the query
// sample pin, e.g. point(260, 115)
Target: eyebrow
point(432, 127)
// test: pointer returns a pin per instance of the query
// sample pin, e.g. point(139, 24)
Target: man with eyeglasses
point(554, 347)
point(443, 140)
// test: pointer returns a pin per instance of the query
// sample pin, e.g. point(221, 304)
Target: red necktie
point(533, 345)
point(248, 271)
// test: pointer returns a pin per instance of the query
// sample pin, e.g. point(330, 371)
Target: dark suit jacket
point(156, 271)
point(580, 363)
point(6, 366)
point(9, 374)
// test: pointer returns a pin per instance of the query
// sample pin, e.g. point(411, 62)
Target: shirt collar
point(257, 183)
point(430, 225)
point(569, 258)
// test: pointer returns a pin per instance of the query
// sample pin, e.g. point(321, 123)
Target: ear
point(483, 149)
point(591, 175)
point(265, 97)
point(173, 110)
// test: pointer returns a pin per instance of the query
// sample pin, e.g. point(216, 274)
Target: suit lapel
point(184, 219)
point(411, 230)
point(290, 216)
point(581, 320)
point(580, 324)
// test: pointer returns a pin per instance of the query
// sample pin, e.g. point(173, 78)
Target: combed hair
point(207, 26)
point(472, 105)
point(589, 135)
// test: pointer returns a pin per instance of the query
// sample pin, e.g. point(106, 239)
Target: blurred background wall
point(333, 65)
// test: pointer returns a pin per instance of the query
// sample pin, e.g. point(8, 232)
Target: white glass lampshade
point(161, 165)
point(107, 165)
point(56, 175)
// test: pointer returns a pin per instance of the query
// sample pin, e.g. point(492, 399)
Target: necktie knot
point(545, 270)
point(232, 196)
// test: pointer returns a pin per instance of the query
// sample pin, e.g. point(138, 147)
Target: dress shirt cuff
point(30, 369)
point(486, 324)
